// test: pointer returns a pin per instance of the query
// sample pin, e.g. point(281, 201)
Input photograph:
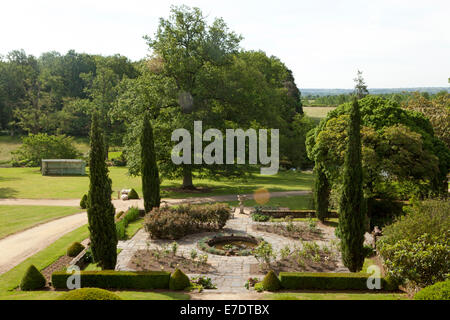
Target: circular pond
point(229, 244)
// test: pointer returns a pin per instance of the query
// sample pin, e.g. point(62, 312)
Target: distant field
point(317, 113)
point(29, 183)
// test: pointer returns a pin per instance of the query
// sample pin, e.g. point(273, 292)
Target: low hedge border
point(115, 280)
point(330, 281)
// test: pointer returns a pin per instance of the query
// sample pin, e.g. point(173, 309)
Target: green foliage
point(175, 223)
point(115, 280)
point(321, 193)
point(204, 283)
point(133, 195)
point(352, 211)
point(438, 291)
point(83, 202)
point(149, 168)
point(398, 147)
point(100, 209)
point(264, 253)
point(225, 80)
point(178, 280)
point(40, 146)
point(271, 282)
point(89, 294)
point(382, 212)
point(327, 281)
point(423, 261)
point(32, 279)
point(126, 218)
point(424, 217)
point(260, 217)
point(74, 249)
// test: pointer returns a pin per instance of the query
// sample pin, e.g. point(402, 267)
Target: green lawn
point(17, 218)
point(29, 183)
point(125, 295)
point(317, 113)
point(334, 296)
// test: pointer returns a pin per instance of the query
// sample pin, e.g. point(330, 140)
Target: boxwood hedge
point(115, 280)
point(329, 281)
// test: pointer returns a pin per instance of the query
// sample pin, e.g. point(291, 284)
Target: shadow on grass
point(7, 193)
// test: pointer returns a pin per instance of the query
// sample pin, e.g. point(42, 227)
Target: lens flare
point(261, 196)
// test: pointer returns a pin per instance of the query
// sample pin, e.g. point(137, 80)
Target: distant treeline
point(333, 100)
point(336, 92)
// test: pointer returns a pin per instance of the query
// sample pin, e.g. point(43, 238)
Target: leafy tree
point(197, 73)
point(437, 110)
point(100, 209)
point(34, 148)
point(352, 212)
point(149, 170)
point(398, 147)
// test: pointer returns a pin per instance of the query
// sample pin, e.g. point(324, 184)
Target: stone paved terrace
point(230, 273)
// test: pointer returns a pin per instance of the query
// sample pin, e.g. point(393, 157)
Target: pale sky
point(396, 43)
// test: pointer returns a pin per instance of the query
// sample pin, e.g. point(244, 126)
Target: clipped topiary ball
point(32, 279)
point(83, 202)
point(178, 280)
point(438, 291)
point(89, 294)
point(133, 195)
point(75, 249)
point(271, 282)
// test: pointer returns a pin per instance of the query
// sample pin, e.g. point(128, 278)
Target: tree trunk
point(187, 178)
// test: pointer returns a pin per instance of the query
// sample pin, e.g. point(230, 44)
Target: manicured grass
point(136, 295)
point(42, 259)
point(126, 295)
point(317, 113)
point(134, 227)
point(335, 296)
point(17, 218)
point(29, 183)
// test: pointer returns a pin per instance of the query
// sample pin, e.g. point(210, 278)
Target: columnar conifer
point(149, 168)
point(352, 214)
point(100, 209)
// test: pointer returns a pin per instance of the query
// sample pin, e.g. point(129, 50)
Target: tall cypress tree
point(149, 168)
point(321, 193)
point(351, 205)
point(100, 209)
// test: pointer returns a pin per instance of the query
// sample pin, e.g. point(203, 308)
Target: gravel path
point(20, 246)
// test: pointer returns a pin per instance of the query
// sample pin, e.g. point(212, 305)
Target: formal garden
point(358, 209)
